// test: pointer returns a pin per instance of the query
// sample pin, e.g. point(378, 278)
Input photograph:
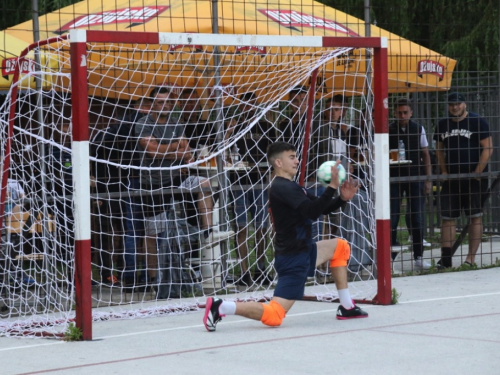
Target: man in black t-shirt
point(463, 145)
point(293, 210)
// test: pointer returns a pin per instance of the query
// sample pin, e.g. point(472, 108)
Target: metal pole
point(367, 18)
point(368, 55)
point(221, 173)
point(39, 115)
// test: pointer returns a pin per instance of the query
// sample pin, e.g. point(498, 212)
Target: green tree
point(13, 12)
point(466, 30)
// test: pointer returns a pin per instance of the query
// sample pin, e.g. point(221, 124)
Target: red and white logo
point(260, 50)
point(295, 20)
point(133, 15)
point(9, 66)
point(430, 67)
point(173, 47)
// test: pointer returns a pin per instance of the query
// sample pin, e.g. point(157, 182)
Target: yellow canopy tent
point(411, 67)
point(10, 49)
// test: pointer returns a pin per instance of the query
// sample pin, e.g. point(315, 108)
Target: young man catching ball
point(293, 210)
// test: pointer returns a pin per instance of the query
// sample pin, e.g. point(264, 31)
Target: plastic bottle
point(402, 151)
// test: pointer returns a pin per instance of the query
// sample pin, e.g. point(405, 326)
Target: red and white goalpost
point(83, 247)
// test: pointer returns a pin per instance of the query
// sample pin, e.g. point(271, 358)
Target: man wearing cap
point(463, 145)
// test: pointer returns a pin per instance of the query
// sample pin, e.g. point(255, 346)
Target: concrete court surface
point(446, 323)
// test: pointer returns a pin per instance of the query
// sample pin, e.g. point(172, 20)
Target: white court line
point(446, 298)
point(246, 320)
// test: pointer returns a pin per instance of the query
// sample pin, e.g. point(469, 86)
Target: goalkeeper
point(296, 256)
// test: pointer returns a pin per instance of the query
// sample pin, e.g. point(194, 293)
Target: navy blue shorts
point(293, 271)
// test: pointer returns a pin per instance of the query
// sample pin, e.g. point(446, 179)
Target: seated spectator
point(162, 140)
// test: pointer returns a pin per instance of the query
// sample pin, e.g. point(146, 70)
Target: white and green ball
point(324, 173)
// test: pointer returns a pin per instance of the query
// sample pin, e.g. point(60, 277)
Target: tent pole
point(219, 140)
point(39, 115)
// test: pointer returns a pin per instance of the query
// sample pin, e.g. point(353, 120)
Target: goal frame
point(80, 138)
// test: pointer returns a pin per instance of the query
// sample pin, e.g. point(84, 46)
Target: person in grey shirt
point(161, 137)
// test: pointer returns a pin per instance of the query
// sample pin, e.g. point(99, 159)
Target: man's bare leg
point(475, 234)
point(241, 239)
point(448, 232)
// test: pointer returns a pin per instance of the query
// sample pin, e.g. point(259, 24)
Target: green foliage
point(465, 30)
point(13, 12)
point(395, 296)
point(73, 333)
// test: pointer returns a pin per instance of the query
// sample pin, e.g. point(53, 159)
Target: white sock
point(345, 299)
point(227, 308)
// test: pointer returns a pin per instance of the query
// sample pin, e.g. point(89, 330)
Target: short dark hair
point(403, 102)
point(337, 99)
point(246, 97)
point(141, 101)
point(274, 150)
point(298, 90)
point(188, 92)
point(158, 90)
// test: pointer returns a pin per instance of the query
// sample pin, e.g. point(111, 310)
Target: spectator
point(463, 145)
point(134, 220)
point(331, 146)
point(252, 148)
point(191, 116)
point(293, 128)
point(414, 139)
point(334, 143)
point(114, 145)
point(165, 148)
point(355, 223)
point(14, 208)
point(60, 185)
point(15, 193)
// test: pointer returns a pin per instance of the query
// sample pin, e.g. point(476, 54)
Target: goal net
point(176, 172)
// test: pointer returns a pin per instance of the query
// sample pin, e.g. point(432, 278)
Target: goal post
point(137, 237)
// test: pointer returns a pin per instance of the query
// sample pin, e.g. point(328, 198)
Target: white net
point(178, 176)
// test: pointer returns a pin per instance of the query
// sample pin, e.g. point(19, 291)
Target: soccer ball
point(325, 173)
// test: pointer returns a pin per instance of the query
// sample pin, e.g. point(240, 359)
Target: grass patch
point(73, 333)
point(395, 296)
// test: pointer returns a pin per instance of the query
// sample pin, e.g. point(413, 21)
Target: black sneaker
point(212, 316)
point(443, 264)
point(353, 313)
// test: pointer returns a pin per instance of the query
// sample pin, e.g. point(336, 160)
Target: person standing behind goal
point(296, 255)
point(463, 145)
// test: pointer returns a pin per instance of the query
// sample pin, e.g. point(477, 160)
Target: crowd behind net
point(168, 230)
